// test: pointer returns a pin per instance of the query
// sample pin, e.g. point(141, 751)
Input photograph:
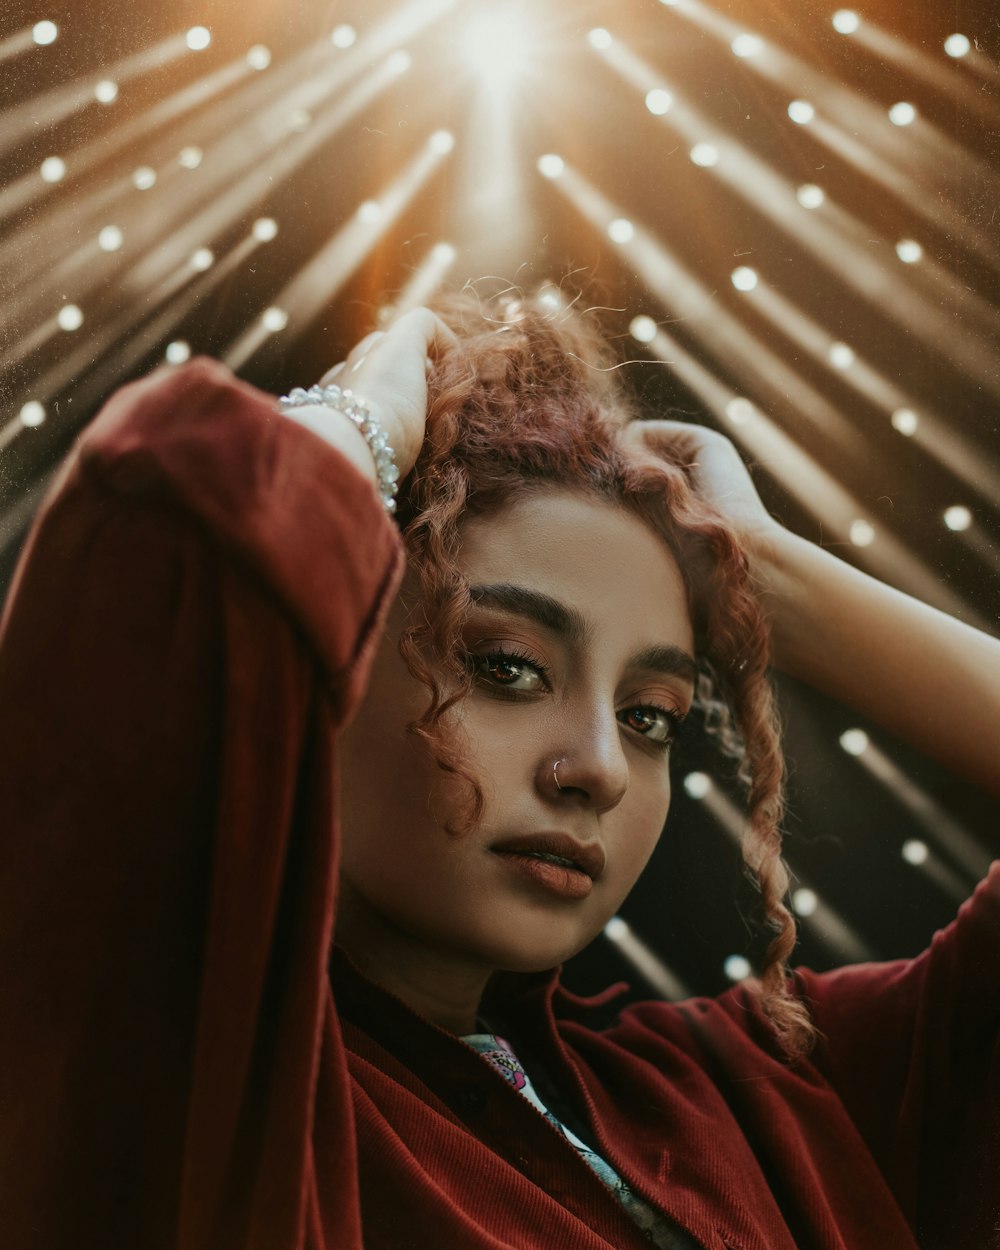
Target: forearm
point(921, 674)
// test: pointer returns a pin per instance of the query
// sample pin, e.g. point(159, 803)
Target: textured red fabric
point(184, 1063)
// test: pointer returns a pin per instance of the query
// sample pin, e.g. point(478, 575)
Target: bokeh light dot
point(801, 112)
point(202, 259)
point(902, 114)
point(915, 852)
point(198, 38)
point(32, 414)
point(53, 169)
point(441, 142)
point(957, 46)
point(861, 533)
point(259, 57)
point(740, 410)
point(659, 101)
point(642, 328)
point(810, 195)
point(905, 421)
point(841, 356)
point(265, 229)
point(621, 230)
point(144, 177)
point(45, 33)
point(343, 36)
point(957, 517)
point(744, 278)
point(191, 157)
point(274, 319)
point(550, 165)
point(804, 901)
point(110, 239)
point(705, 154)
point(70, 318)
point(737, 967)
point(846, 21)
point(106, 91)
point(909, 251)
point(854, 741)
point(177, 352)
point(697, 785)
point(600, 38)
point(370, 212)
point(399, 62)
point(443, 253)
point(745, 45)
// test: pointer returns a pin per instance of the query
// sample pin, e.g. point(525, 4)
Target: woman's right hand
point(388, 370)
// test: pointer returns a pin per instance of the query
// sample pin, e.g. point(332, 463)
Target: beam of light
point(916, 63)
point(690, 300)
point(648, 965)
point(919, 856)
point(170, 236)
point(16, 45)
point(838, 102)
point(498, 46)
point(126, 338)
point(64, 223)
point(836, 239)
point(313, 287)
point(45, 111)
point(815, 489)
point(231, 181)
point(946, 833)
point(820, 919)
point(973, 466)
point(306, 79)
point(425, 280)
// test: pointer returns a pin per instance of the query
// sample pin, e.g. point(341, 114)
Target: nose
point(592, 769)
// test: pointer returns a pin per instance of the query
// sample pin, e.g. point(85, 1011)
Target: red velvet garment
point(183, 1066)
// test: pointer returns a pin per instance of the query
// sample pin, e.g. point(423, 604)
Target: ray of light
point(312, 288)
point(815, 489)
point(839, 242)
point(646, 963)
point(43, 112)
point(425, 280)
point(822, 920)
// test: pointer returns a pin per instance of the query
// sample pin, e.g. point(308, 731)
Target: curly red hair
point(529, 397)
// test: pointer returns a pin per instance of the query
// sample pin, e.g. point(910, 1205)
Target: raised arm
point(920, 673)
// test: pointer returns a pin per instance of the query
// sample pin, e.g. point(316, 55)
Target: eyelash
point(483, 660)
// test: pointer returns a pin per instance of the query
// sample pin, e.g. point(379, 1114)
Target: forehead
point(600, 560)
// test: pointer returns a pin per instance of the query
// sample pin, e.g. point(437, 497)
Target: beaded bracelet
point(354, 408)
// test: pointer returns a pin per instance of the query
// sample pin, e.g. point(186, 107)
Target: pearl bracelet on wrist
point(356, 410)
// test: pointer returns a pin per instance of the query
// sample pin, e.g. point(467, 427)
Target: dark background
point(936, 182)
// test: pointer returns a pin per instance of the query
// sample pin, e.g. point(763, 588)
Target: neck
point(439, 985)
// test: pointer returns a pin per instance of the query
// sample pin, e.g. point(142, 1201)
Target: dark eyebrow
point(670, 661)
point(567, 623)
point(536, 606)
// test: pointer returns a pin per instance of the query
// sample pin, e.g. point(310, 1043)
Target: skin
point(431, 915)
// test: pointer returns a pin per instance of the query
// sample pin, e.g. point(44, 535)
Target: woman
point(291, 859)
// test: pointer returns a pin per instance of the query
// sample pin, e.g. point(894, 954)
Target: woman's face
point(584, 654)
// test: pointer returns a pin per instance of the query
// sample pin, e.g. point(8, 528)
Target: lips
point(587, 856)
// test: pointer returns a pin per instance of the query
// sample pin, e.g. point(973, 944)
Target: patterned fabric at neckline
point(658, 1230)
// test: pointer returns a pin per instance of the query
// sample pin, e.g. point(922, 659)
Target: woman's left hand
point(715, 467)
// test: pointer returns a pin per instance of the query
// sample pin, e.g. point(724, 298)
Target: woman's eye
point(654, 723)
point(510, 672)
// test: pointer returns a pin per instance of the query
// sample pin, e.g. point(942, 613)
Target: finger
point(422, 331)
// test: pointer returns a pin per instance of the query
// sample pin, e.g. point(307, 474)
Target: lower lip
point(567, 882)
